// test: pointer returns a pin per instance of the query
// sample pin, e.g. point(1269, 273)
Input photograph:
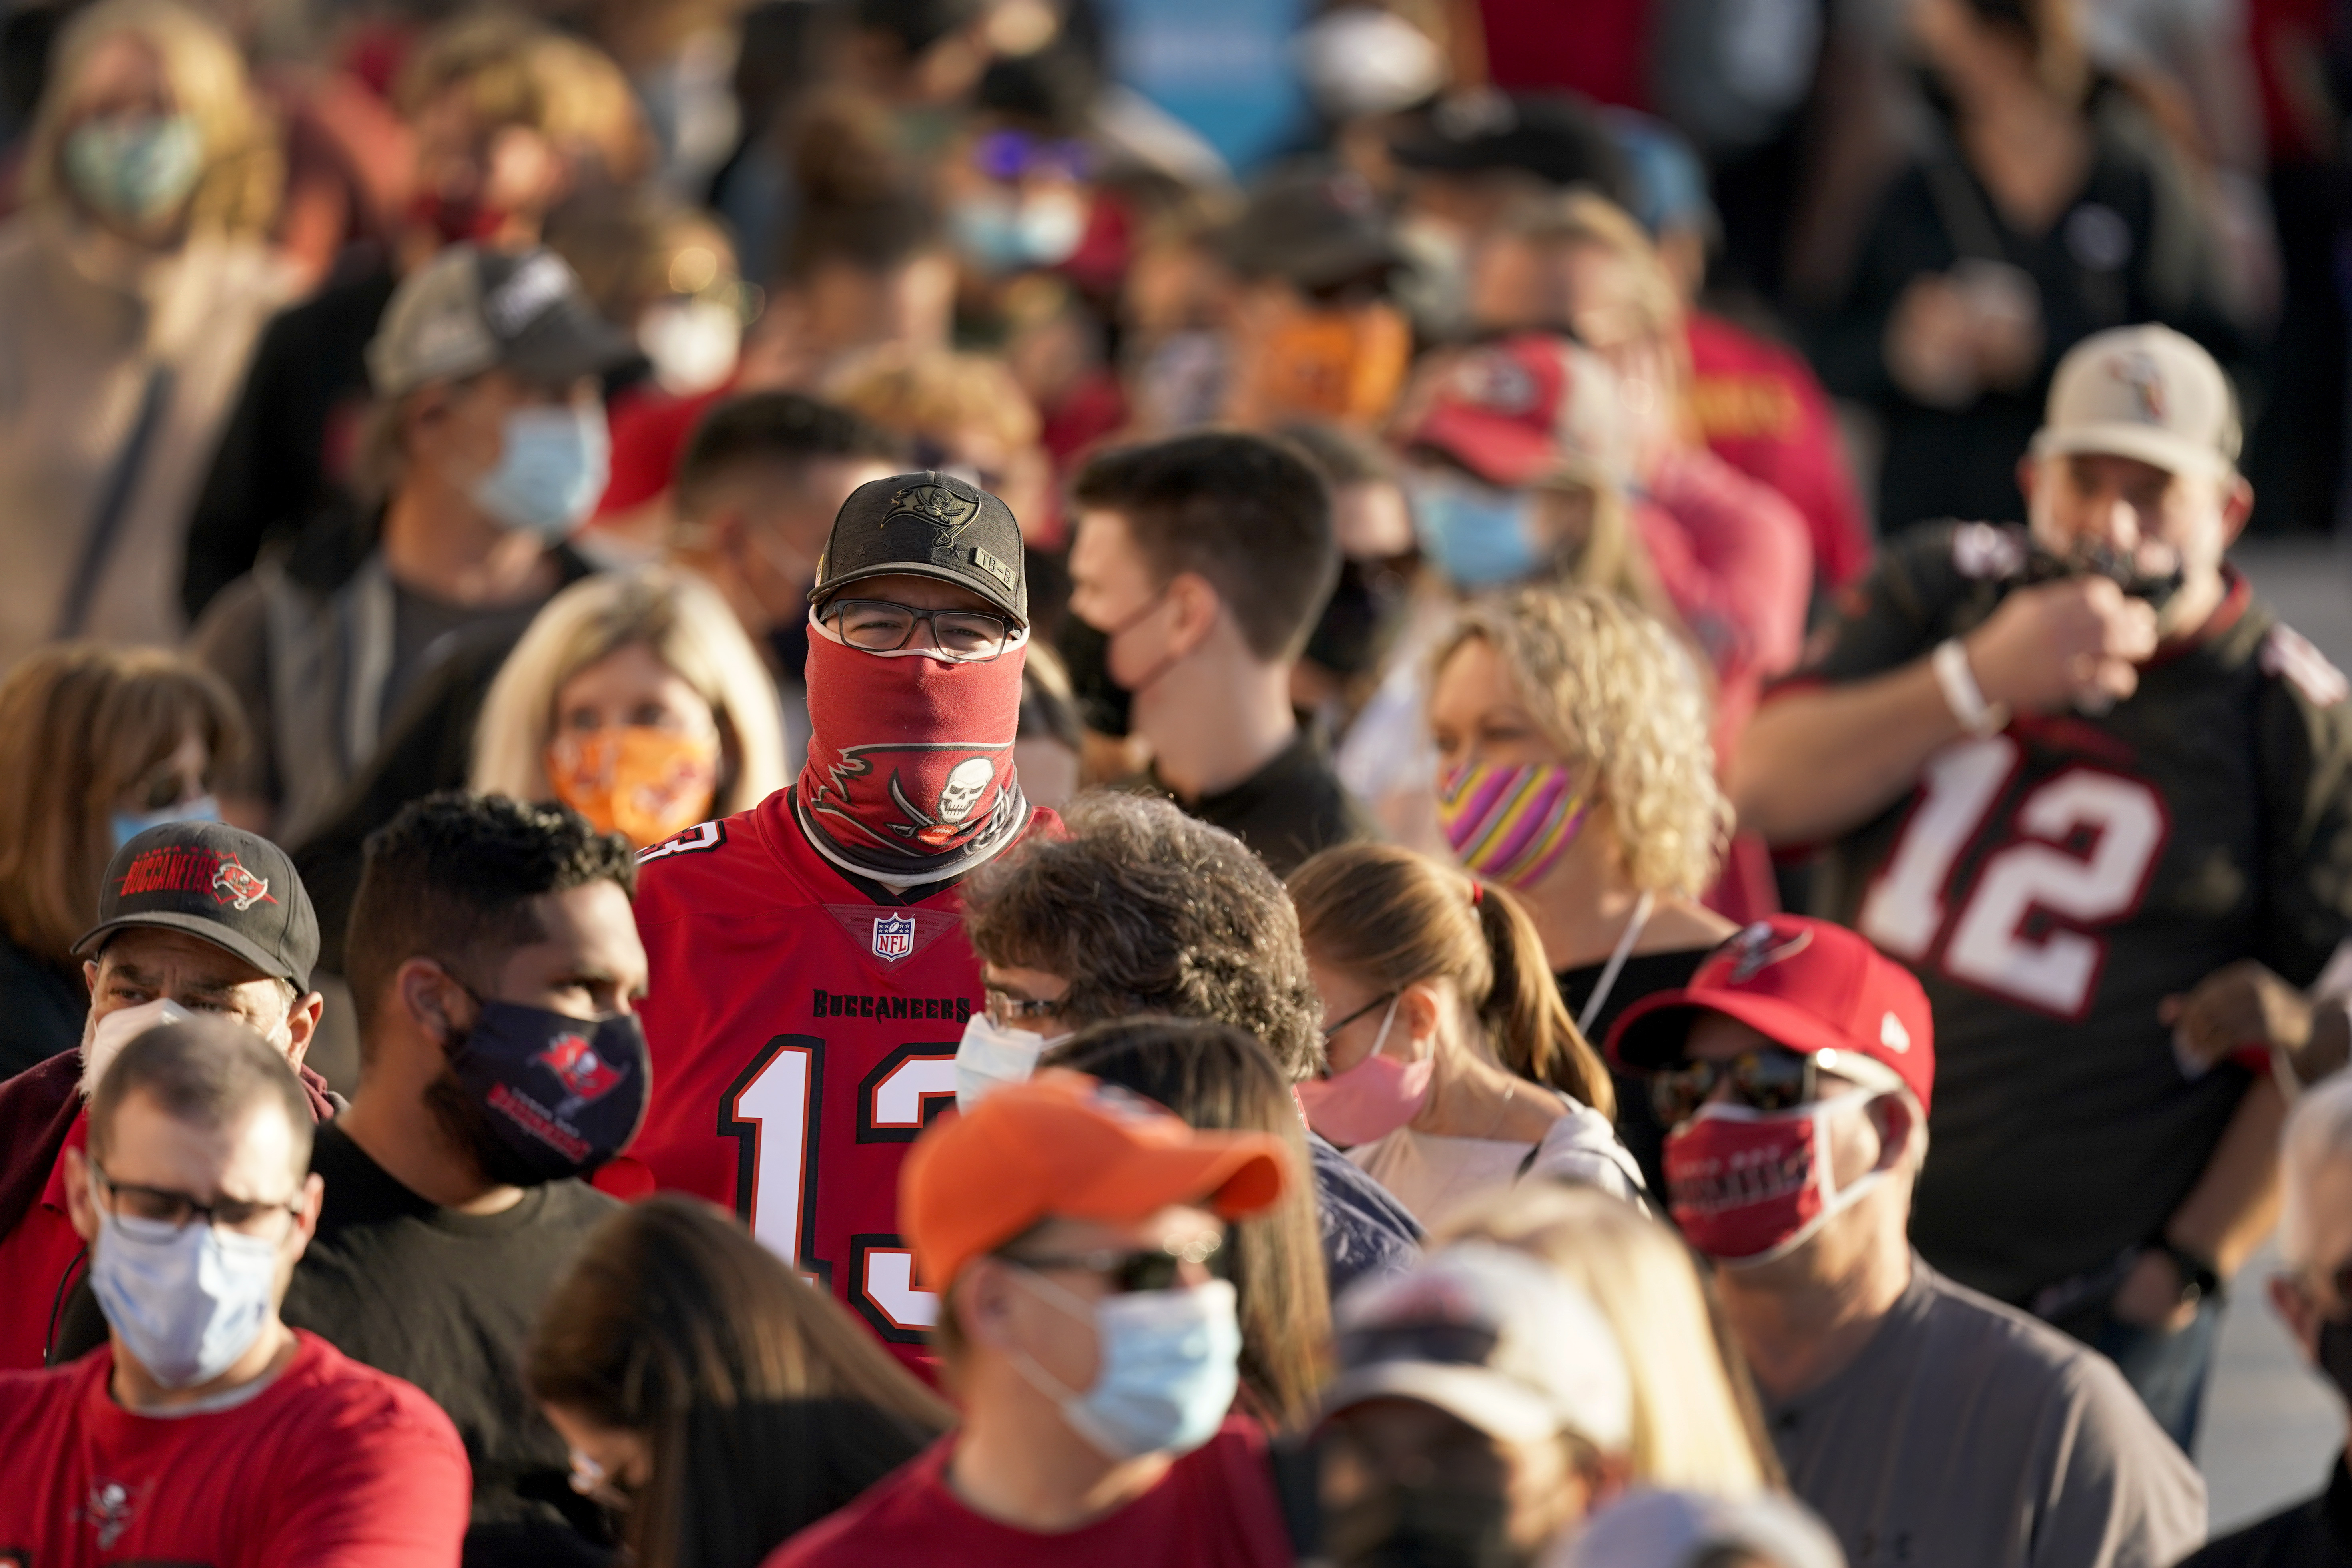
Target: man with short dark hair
point(205, 1430)
point(1079, 1236)
point(193, 917)
point(1199, 567)
point(494, 964)
point(762, 477)
point(1926, 1422)
point(1136, 908)
point(810, 972)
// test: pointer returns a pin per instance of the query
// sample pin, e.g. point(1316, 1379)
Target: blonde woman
point(105, 742)
point(1574, 768)
point(1452, 1067)
point(1696, 1424)
point(132, 284)
point(635, 700)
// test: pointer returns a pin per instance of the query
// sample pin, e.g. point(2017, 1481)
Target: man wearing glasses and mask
point(2314, 1295)
point(205, 1430)
point(1926, 1422)
point(1078, 1235)
point(810, 973)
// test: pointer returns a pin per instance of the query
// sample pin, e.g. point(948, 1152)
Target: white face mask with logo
point(992, 1054)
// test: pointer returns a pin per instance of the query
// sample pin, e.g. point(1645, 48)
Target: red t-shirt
point(777, 985)
point(35, 1259)
point(334, 1465)
point(1214, 1509)
point(1760, 409)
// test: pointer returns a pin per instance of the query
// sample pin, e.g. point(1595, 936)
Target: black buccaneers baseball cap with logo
point(928, 525)
point(233, 888)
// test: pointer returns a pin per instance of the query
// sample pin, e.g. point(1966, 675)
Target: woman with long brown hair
point(100, 744)
point(719, 1402)
point(1454, 1067)
point(1216, 1077)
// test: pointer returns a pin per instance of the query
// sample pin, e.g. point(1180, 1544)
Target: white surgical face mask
point(992, 1054)
point(188, 1302)
point(103, 1038)
point(692, 343)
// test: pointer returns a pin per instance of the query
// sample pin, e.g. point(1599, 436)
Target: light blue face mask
point(552, 467)
point(187, 1302)
point(130, 825)
point(1480, 537)
point(135, 169)
point(1169, 1364)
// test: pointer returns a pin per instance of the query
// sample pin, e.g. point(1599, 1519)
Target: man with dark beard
point(812, 975)
point(494, 963)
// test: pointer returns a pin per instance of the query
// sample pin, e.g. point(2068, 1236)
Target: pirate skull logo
point(966, 784)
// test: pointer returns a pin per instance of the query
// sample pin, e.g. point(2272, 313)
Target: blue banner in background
point(1223, 66)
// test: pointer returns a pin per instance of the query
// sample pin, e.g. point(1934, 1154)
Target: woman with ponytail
point(1453, 1065)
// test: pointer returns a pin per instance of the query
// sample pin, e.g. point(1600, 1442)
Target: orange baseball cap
point(1068, 1146)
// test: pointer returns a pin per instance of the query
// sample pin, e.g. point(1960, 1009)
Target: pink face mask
point(1371, 1099)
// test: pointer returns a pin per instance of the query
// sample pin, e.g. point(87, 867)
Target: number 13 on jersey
point(774, 1112)
point(2043, 865)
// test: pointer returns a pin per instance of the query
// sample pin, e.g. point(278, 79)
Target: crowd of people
point(786, 787)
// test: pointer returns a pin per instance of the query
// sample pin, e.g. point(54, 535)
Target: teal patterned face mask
point(134, 169)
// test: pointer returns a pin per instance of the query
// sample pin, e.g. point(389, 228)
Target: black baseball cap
point(1314, 227)
point(470, 310)
point(1555, 138)
point(236, 889)
point(928, 525)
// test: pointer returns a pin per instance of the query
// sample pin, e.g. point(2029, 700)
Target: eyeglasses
point(1331, 1031)
point(878, 626)
point(1007, 1011)
point(175, 1211)
point(1766, 1080)
point(1157, 1268)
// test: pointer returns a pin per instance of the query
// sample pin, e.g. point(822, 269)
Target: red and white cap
point(1804, 983)
point(1526, 409)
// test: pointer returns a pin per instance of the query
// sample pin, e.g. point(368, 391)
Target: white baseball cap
point(2146, 392)
point(1679, 1529)
point(1491, 1336)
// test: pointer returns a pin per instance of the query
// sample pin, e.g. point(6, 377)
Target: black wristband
point(2199, 1281)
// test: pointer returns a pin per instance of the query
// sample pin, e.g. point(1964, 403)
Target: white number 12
point(1905, 911)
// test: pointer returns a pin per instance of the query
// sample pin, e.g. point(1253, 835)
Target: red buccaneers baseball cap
point(1065, 1146)
point(235, 890)
point(1526, 409)
point(1804, 983)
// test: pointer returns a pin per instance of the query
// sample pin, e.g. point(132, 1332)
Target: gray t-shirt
point(1967, 1435)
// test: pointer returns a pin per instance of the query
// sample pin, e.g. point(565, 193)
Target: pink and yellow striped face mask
point(1508, 824)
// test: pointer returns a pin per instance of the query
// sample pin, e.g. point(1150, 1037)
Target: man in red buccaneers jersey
point(810, 975)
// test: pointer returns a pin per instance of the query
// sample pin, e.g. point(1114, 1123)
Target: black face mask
point(2088, 558)
point(1360, 621)
point(1423, 1527)
point(1104, 705)
point(2336, 1354)
point(540, 1096)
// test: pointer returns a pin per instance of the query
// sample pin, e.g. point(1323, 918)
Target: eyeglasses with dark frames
point(881, 626)
point(175, 1211)
point(1771, 1080)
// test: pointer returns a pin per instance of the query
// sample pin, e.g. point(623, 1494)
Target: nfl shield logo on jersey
point(893, 935)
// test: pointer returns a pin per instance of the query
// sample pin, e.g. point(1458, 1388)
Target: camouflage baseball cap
point(928, 525)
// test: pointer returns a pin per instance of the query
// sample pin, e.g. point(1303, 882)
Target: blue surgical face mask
point(130, 825)
point(552, 466)
point(1480, 537)
point(188, 1302)
point(1168, 1367)
point(134, 169)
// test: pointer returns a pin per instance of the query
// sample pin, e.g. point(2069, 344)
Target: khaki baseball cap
point(2146, 392)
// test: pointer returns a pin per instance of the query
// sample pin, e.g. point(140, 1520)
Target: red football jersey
point(802, 1035)
point(333, 1464)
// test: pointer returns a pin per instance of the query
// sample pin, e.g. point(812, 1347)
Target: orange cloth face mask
point(644, 784)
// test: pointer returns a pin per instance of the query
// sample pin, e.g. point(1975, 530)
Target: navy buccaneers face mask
point(556, 1096)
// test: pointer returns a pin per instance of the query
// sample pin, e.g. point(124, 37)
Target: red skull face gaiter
point(909, 775)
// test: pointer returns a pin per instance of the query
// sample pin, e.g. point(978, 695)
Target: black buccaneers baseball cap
point(235, 890)
point(929, 525)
